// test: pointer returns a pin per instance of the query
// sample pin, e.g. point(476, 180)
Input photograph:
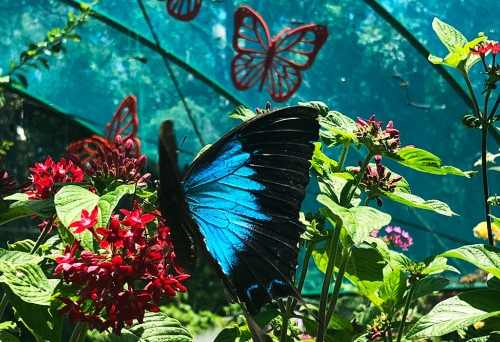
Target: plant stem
point(80, 330)
point(484, 171)
point(358, 177)
point(285, 318)
point(43, 235)
point(3, 304)
point(343, 155)
point(405, 313)
point(346, 254)
point(332, 253)
point(475, 104)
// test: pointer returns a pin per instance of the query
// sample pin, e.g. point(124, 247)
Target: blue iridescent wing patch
point(244, 194)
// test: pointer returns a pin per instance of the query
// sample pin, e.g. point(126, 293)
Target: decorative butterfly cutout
point(276, 63)
point(183, 10)
point(239, 203)
point(124, 122)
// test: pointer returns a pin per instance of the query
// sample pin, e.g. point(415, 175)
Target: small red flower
point(87, 221)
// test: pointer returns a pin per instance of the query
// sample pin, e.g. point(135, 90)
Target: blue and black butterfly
point(239, 202)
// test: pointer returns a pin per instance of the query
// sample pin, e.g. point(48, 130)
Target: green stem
point(484, 171)
point(43, 235)
point(389, 332)
point(80, 330)
point(285, 318)
point(3, 305)
point(367, 201)
point(486, 100)
point(332, 253)
point(405, 313)
point(343, 154)
point(346, 254)
point(472, 95)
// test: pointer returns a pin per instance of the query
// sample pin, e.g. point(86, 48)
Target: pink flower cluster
point(370, 133)
point(396, 237)
point(108, 280)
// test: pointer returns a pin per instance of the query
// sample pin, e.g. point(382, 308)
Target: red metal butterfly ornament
point(276, 62)
point(125, 122)
point(183, 10)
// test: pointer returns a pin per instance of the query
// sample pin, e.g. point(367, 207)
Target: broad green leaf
point(6, 337)
point(70, 201)
point(399, 260)
point(28, 282)
point(14, 258)
point(488, 338)
point(229, 334)
point(364, 269)
point(424, 161)
point(22, 246)
point(5, 79)
point(429, 285)
point(320, 106)
point(448, 35)
point(242, 113)
point(380, 246)
point(108, 202)
point(338, 322)
point(339, 129)
point(43, 208)
point(156, 327)
point(359, 221)
point(457, 313)
point(392, 289)
point(418, 202)
point(321, 163)
point(485, 257)
point(437, 264)
point(41, 320)
point(331, 335)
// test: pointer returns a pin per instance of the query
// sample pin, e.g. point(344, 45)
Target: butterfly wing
point(184, 10)
point(277, 63)
point(245, 194)
point(125, 122)
point(86, 149)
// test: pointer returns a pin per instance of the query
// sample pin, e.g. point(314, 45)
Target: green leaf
point(488, 338)
point(332, 335)
point(108, 202)
point(485, 257)
point(5, 79)
point(437, 264)
point(70, 201)
point(337, 322)
point(242, 113)
point(22, 79)
point(392, 289)
point(471, 121)
point(22, 246)
point(17, 258)
point(74, 37)
point(6, 337)
point(41, 320)
point(429, 285)
point(457, 313)
point(28, 282)
point(321, 163)
point(42, 208)
point(320, 106)
point(339, 129)
point(448, 35)
point(424, 161)
point(417, 202)
point(359, 221)
point(156, 327)
point(230, 334)
point(44, 62)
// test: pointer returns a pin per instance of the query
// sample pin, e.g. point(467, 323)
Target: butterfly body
point(277, 62)
point(239, 202)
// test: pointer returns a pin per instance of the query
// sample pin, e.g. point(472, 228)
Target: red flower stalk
point(376, 178)
point(377, 140)
point(108, 280)
point(116, 165)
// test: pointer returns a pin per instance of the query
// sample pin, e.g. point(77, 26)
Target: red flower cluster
point(8, 184)
point(377, 140)
point(492, 71)
point(376, 178)
point(46, 176)
point(116, 164)
point(108, 279)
